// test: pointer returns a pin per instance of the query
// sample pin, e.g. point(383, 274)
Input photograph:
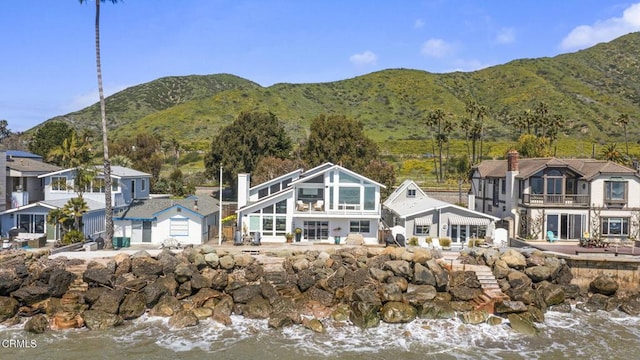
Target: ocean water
point(601, 335)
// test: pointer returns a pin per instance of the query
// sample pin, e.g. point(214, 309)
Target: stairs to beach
point(491, 292)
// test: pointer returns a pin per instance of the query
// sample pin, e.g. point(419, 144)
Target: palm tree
point(74, 209)
point(610, 152)
point(71, 153)
point(623, 120)
point(108, 209)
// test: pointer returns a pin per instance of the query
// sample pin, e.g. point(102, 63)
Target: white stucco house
point(325, 202)
point(561, 198)
point(421, 216)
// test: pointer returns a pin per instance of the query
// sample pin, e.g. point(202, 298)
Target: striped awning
point(423, 221)
point(466, 220)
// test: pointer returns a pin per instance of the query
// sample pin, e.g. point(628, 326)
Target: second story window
point(59, 183)
point(411, 193)
point(615, 191)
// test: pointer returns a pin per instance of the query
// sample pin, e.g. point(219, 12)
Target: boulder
point(399, 268)
point(538, 273)
point(421, 256)
point(441, 275)
point(109, 301)
point(419, 294)
point(59, 281)
point(168, 261)
point(199, 282)
point(133, 306)
point(629, 306)
point(397, 312)
point(500, 269)
point(167, 306)
point(123, 264)
point(514, 259)
point(37, 324)
point(474, 317)
point(437, 309)
point(9, 281)
point(253, 272)
point(98, 276)
point(422, 275)
point(379, 274)
point(321, 296)
point(146, 265)
point(314, 325)
point(243, 260)
point(183, 319)
point(184, 272)
point(227, 262)
point(257, 308)
point(202, 313)
point(604, 285)
point(596, 302)
point(364, 314)
point(509, 307)
point(391, 292)
point(100, 320)
point(8, 308)
point(552, 294)
point(463, 293)
point(212, 259)
point(518, 280)
point(522, 325)
point(31, 294)
point(244, 294)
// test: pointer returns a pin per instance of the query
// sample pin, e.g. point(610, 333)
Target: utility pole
point(220, 209)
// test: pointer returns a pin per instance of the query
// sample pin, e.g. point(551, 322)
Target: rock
point(93, 294)
point(278, 321)
point(123, 264)
point(8, 307)
point(321, 296)
point(227, 262)
point(99, 276)
point(379, 274)
point(565, 307)
point(441, 275)
point(630, 306)
point(314, 325)
point(367, 295)
point(199, 282)
point(202, 313)
point(244, 294)
point(437, 309)
point(509, 307)
point(243, 260)
point(421, 256)
point(399, 267)
point(551, 294)
point(518, 280)
point(109, 301)
point(100, 320)
point(494, 320)
point(397, 312)
point(402, 283)
point(522, 325)
point(563, 275)
point(212, 259)
point(167, 306)
point(474, 317)
point(63, 320)
point(500, 269)
point(220, 280)
point(419, 294)
point(364, 315)
point(31, 294)
point(391, 292)
point(538, 273)
point(59, 282)
point(598, 302)
point(222, 311)
point(604, 285)
point(300, 264)
point(183, 319)
point(133, 306)
point(9, 281)
point(357, 278)
point(133, 285)
point(514, 259)
point(422, 275)
point(168, 261)
point(341, 313)
point(207, 249)
point(257, 308)
point(463, 293)
point(253, 272)
point(146, 265)
point(37, 324)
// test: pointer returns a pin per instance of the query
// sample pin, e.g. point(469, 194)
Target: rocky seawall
point(356, 285)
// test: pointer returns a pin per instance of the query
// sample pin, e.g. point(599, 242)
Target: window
point(97, 186)
point(58, 183)
point(422, 229)
point(263, 192)
point(537, 185)
point(615, 191)
point(359, 226)
point(615, 226)
point(32, 223)
point(370, 198)
point(179, 227)
point(503, 186)
point(411, 193)
point(144, 185)
point(316, 230)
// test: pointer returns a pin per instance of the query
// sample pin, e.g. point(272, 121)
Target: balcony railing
point(557, 199)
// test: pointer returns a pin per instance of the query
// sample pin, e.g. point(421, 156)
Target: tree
point(556, 125)
point(477, 113)
point(270, 167)
point(610, 153)
point(72, 152)
point(530, 146)
point(4, 130)
point(623, 120)
point(49, 136)
point(342, 141)
point(239, 146)
point(144, 151)
point(437, 119)
point(74, 209)
point(108, 208)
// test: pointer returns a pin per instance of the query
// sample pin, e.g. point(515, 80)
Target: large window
point(58, 183)
point(316, 230)
point(359, 226)
point(179, 227)
point(32, 223)
point(422, 230)
point(370, 198)
point(349, 197)
point(615, 191)
point(615, 226)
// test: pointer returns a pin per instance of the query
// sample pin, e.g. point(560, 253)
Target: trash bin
point(117, 241)
point(126, 241)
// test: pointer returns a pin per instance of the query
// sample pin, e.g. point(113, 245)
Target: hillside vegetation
point(589, 88)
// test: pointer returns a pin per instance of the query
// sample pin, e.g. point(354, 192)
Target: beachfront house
point(559, 199)
point(411, 212)
point(192, 220)
point(327, 204)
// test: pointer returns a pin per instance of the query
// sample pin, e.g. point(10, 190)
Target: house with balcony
point(565, 199)
point(325, 202)
point(58, 187)
point(421, 216)
point(23, 185)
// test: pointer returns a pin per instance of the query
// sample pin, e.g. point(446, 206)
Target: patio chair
point(301, 206)
point(318, 205)
point(551, 237)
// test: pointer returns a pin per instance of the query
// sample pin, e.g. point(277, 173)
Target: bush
point(475, 242)
point(72, 237)
point(445, 242)
point(413, 241)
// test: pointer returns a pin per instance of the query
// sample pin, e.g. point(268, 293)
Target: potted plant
point(336, 238)
point(413, 241)
point(298, 232)
point(445, 242)
point(289, 237)
point(428, 241)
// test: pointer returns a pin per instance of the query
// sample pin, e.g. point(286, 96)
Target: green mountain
point(590, 88)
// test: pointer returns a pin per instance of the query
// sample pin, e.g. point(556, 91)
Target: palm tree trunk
point(108, 209)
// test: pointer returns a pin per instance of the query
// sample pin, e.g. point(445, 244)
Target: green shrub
point(413, 241)
point(445, 242)
point(72, 237)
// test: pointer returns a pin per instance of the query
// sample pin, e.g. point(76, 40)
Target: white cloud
point(468, 65)
point(587, 35)
point(436, 48)
point(506, 36)
point(418, 24)
point(81, 101)
point(363, 59)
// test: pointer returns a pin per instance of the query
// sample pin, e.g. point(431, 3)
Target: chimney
point(512, 160)
point(244, 182)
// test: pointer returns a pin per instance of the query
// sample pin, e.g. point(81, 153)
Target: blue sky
point(47, 54)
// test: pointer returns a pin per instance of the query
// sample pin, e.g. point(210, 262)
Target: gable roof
point(117, 172)
point(407, 184)
point(22, 154)
point(327, 167)
point(149, 209)
point(587, 168)
point(295, 173)
point(56, 204)
point(26, 165)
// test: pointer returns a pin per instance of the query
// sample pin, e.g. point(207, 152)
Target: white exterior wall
point(162, 228)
